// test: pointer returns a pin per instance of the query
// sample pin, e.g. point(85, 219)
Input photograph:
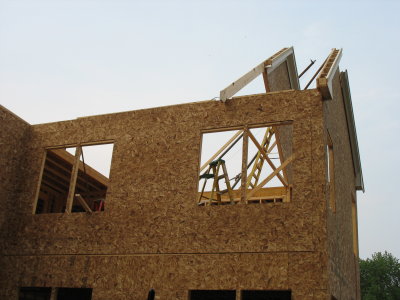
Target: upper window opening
point(56, 177)
point(252, 165)
point(75, 179)
point(93, 177)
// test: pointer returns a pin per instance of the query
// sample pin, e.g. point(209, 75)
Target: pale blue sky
point(64, 59)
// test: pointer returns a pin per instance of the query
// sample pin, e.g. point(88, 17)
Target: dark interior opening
point(34, 293)
point(212, 295)
point(266, 295)
point(74, 294)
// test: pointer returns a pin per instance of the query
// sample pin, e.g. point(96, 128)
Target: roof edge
point(324, 80)
point(344, 82)
point(13, 114)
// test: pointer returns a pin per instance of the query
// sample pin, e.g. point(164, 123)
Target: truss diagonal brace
point(221, 149)
point(262, 151)
point(272, 175)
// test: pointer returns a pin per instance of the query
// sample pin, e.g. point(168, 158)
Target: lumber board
point(270, 176)
point(74, 176)
point(267, 67)
point(265, 155)
point(325, 79)
point(83, 203)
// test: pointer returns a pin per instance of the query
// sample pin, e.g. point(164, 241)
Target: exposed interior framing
point(257, 170)
point(69, 184)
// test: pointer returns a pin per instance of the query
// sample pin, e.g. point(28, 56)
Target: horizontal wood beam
point(265, 67)
point(270, 176)
point(263, 193)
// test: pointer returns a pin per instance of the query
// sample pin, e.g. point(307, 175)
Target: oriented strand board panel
point(151, 202)
point(152, 233)
point(343, 264)
point(13, 139)
point(279, 79)
point(131, 277)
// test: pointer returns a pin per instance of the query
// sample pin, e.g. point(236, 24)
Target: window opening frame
point(214, 168)
point(229, 294)
point(77, 164)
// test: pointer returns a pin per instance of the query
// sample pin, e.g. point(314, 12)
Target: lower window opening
point(266, 295)
point(34, 293)
point(74, 294)
point(45, 293)
point(212, 295)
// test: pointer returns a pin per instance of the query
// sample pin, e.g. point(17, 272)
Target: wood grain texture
point(343, 265)
point(152, 234)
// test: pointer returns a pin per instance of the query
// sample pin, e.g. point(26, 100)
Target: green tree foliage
point(380, 277)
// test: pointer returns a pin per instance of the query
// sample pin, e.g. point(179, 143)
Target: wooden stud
point(245, 152)
point(259, 162)
point(266, 82)
point(280, 152)
point(65, 155)
point(40, 182)
point(74, 176)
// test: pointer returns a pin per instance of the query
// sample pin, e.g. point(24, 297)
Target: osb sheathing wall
point(343, 264)
point(152, 234)
point(13, 135)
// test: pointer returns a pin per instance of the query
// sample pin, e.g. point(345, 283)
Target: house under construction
point(241, 198)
